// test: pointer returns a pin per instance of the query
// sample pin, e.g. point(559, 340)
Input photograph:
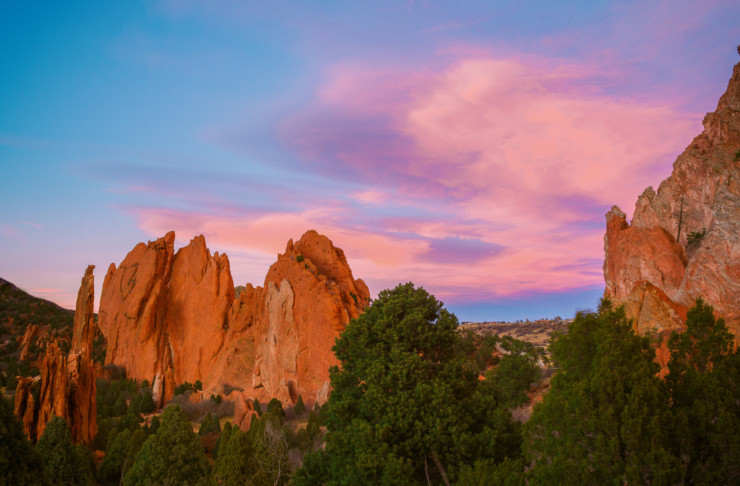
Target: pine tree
point(20, 462)
point(407, 407)
point(606, 416)
point(174, 455)
point(235, 464)
point(62, 463)
point(704, 381)
point(300, 407)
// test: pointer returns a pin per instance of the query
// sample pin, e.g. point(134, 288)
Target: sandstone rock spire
point(67, 384)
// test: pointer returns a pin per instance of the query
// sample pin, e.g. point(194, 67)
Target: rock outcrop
point(66, 386)
point(32, 341)
point(173, 317)
point(684, 240)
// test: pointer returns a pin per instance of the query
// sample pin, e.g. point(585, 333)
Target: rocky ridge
point(66, 386)
point(173, 317)
point(684, 239)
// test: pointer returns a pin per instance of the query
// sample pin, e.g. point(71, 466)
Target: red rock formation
point(34, 335)
point(652, 265)
point(171, 318)
point(67, 382)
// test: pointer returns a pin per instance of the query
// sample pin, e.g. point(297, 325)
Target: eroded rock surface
point(684, 239)
point(174, 317)
point(67, 384)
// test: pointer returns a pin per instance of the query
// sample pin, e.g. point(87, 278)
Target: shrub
point(299, 258)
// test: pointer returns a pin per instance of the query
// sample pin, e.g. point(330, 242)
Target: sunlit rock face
point(173, 317)
point(66, 386)
point(684, 239)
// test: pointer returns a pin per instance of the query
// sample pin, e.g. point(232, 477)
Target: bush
point(197, 411)
point(147, 402)
point(299, 258)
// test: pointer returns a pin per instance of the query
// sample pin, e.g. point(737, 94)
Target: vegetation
point(65, 463)
point(20, 462)
point(417, 400)
point(695, 236)
point(407, 405)
point(174, 455)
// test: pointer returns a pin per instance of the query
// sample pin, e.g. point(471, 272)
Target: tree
point(147, 402)
point(174, 455)
point(704, 382)
point(115, 455)
point(210, 424)
point(407, 407)
point(20, 462)
point(223, 438)
point(62, 462)
point(606, 416)
point(235, 464)
point(300, 407)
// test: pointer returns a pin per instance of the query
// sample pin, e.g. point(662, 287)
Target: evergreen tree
point(174, 455)
point(62, 462)
point(407, 406)
point(300, 407)
point(257, 407)
point(606, 416)
point(147, 402)
point(20, 462)
point(275, 407)
point(223, 439)
point(704, 380)
point(235, 464)
point(115, 455)
point(210, 424)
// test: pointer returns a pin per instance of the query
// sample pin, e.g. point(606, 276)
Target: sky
point(471, 147)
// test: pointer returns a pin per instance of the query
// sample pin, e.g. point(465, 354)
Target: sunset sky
point(472, 147)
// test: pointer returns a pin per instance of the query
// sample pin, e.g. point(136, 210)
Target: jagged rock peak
point(684, 239)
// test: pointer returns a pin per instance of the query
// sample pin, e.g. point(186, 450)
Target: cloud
point(487, 178)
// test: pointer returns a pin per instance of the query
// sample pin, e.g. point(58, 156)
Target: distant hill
point(536, 332)
point(18, 311)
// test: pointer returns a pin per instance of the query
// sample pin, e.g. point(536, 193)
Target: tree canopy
point(174, 455)
point(407, 406)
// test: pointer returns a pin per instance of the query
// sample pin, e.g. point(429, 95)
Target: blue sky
point(470, 147)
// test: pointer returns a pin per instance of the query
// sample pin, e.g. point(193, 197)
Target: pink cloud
point(487, 178)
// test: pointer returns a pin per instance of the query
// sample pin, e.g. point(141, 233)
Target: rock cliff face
point(173, 317)
point(67, 384)
point(684, 240)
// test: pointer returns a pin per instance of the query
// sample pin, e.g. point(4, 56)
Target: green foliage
point(737, 156)
point(512, 377)
point(275, 408)
point(235, 463)
point(174, 455)
point(147, 401)
point(704, 383)
point(300, 407)
point(209, 425)
point(20, 462)
point(115, 456)
point(62, 462)
point(606, 417)
point(198, 385)
point(407, 406)
point(354, 297)
point(257, 406)
point(299, 258)
point(216, 399)
point(223, 438)
point(154, 425)
point(312, 427)
point(695, 236)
